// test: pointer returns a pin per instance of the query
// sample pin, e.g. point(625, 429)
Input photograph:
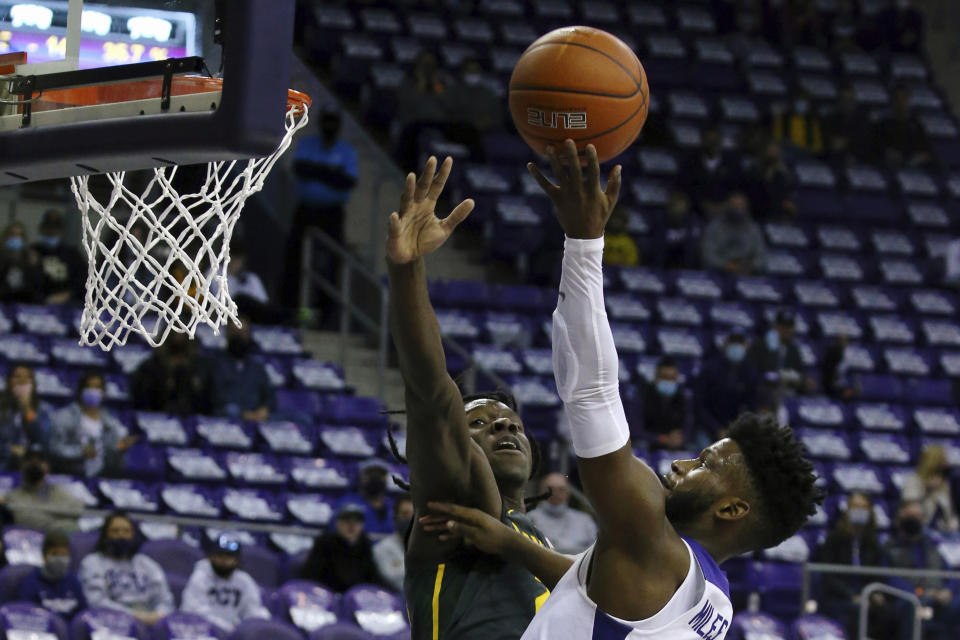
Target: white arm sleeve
point(585, 361)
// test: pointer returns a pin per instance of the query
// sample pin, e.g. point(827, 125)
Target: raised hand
point(478, 529)
point(415, 230)
point(582, 206)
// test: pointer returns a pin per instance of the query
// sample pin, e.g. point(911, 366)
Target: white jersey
point(224, 602)
point(569, 612)
point(137, 584)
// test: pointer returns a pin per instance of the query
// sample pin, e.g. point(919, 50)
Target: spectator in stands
point(247, 290)
point(570, 530)
point(665, 412)
point(326, 167)
point(770, 185)
point(733, 242)
point(797, 127)
point(709, 176)
point(901, 138)
point(389, 552)
point(342, 557)
point(475, 108)
point(20, 275)
point(220, 591)
point(835, 375)
point(86, 439)
point(902, 27)
point(173, 380)
point(619, 248)
point(423, 101)
point(929, 485)
point(853, 541)
point(843, 29)
point(846, 130)
point(53, 586)
point(62, 267)
point(726, 387)
point(39, 504)
point(776, 356)
point(372, 495)
point(793, 22)
point(912, 547)
point(241, 386)
point(116, 576)
point(24, 419)
point(677, 236)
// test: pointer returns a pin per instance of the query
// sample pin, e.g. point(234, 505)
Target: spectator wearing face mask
point(912, 547)
point(20, 275)
point(666, 415)
point(929, 485)
point(241, 387)
point(220, 591)
point(712, 174)
point(372, 494)
point(53, 586)
point(853, 541)
point(733, 242)
point(24, 419)
point(116, 576)
point(776, 355)
point(86, 439)
point(61, 264)
point(389, 552)
point(569, 530)
point(726, 387)
point(342, 557)
point(798, 127)
point(38, 504)
point(173, 380)
point(835, 376)
point(678, 235)
point(770, 185)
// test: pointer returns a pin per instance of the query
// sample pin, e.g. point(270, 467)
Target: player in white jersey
point(219, 591)
point(653, 571)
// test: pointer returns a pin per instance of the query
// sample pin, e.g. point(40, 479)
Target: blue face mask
point(736, 352)
point(14, 243)
point(772, 338)
point(51, 242)
point(667, 388)
point(92, 396)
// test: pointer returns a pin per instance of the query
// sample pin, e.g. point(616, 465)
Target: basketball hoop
point(157, 256)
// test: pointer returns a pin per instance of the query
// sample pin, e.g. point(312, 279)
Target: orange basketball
point(580, 83)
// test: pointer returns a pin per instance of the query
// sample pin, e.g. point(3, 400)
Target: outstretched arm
point(443, 460)
point(626, 494)
point(490, 535)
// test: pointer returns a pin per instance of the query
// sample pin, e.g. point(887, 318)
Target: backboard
point(70, 43)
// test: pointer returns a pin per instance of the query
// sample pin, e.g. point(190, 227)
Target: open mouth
point(507, 444)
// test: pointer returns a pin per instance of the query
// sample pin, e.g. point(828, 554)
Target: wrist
point(583, 246)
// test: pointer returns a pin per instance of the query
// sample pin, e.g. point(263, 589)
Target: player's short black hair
point(781, 475)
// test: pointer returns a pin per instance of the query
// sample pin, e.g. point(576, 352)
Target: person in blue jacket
point(53, 586)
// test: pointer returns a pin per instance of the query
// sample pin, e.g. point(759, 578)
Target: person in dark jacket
point(853, 541)
point(24, 419)
point(677, 235)
point(726, 387)
point(835, 374)
point(711, 174)
point(241, 387)
point(665, 408)
point(775, 354)
point(173, 380)
point(343, 558)
point(20, 275)
point(61, 265)
point(53, 586)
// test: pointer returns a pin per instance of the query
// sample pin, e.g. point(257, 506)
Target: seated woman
point(930, 486)
point(24, 420)
point(117, 577)
point(85, 438)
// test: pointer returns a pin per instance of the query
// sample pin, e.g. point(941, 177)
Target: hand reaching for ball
point(583, 207)
point(415, 230)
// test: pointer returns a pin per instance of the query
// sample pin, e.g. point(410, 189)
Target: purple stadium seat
point(788, 236)
point(193, 465)
point(699, 284)
point(881, 388)
point(145, 461)
point(181, 625)
point(376, 610)
point(10, 578)
point(841, 267)
point(766, 290)
point(681, 342)
point(643, 281)
point(732, 315)
point(108, 622)
point(41, 320)
point(306, 604)
point(849, 477)
point(462, 326)
point(929, 391)
point(23, 546)
point(177, 583)
point(885, 448)
point(826, 444)
point(302, 402)
point(264, 565)
point(224, 433)
point(361, 411)
point(67, 351)
point(82, 544)
point(174, 556)
point(341, 631)
point(255, 469)
point(319, 376)
point(257, 629)
point(163, 429)
point(253, 504)
point(286, 437)
point(816, 294)
point(876, 299)
point(778, 584)
point(346, 441)
point(817, 412)
point(129, 495)
point(294, 564)
point(26, 618)
point(630, 338)
point(840, 323)
point(749, 625)
point(507, 330)
point(880, 417)
point(816, 627)
point(937, 421)
point(908, 361)
point(192, 500)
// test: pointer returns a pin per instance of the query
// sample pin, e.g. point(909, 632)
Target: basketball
point(580, 83)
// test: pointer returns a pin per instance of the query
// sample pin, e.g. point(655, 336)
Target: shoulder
point(145, 562)
point(92, 561)
point(65, 417)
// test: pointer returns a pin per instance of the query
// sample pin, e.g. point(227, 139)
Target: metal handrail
point(349, 309)
point(875, 587)
point(823, 567)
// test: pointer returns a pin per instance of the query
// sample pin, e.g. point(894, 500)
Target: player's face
point(499, 432)
point(693, 486)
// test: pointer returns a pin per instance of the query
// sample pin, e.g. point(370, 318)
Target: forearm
point(586, 365)
point(416, 333)
point(546, 564)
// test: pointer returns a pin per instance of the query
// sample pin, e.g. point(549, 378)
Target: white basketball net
point(158, 259)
